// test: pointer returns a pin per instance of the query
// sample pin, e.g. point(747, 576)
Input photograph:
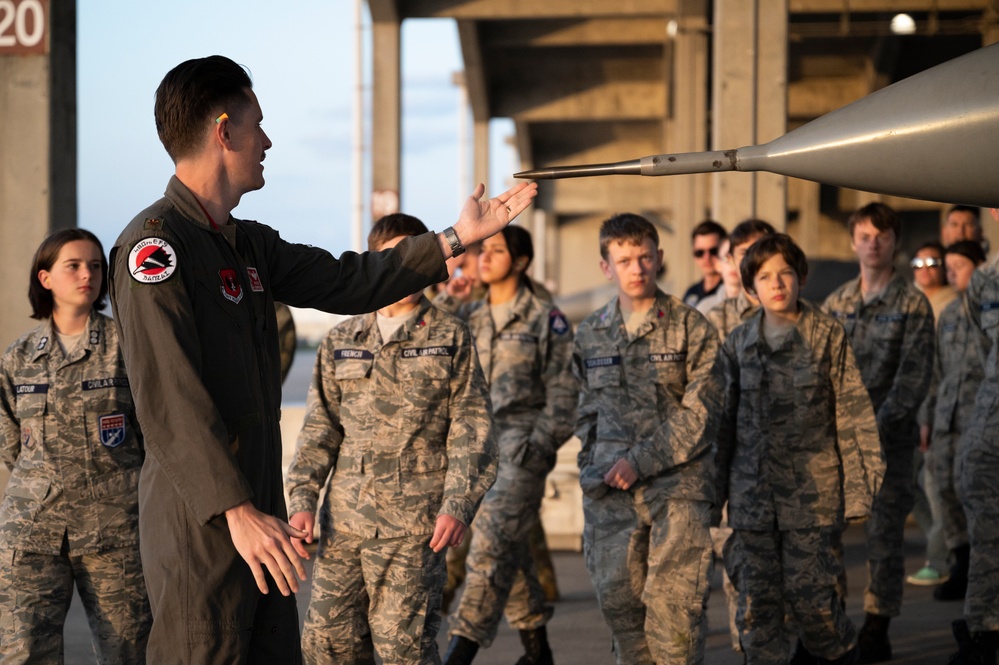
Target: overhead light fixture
point(672, 27)
point(902, 24)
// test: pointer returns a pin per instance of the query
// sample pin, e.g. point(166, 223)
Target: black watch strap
point(453, 241)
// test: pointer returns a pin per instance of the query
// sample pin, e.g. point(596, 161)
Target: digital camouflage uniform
point(69, 435)
point(726, 317)
point(893, 340)
point(403, 426)
point(526, 362)
point(980, 449)
point(647, 548)
point(798, 454)
point(958, 374)
point(194, 308)
point(731, 313)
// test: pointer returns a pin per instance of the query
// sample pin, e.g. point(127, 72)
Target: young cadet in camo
point(726, 317)
point(69, 435)
point(524, 344)
point(398, 421)
point(646, 465)
point(798, 456)
point(958, 373)
point(891, 330)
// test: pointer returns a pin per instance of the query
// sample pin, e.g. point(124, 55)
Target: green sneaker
point(927, 576)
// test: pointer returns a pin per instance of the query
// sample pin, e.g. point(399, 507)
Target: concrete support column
point(686, 132)
point(37, 149)
point(749, 104)
point(480, 156)
point(386, 113)
point(809, 219)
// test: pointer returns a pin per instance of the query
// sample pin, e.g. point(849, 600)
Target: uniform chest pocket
point(669, 369)
point(31, 405)
point(604, 376)
point(348, 369)
point(30, 409)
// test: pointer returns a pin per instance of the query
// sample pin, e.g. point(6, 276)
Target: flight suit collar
point(185, 201)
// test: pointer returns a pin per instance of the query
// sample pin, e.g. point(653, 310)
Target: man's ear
point(606, 269)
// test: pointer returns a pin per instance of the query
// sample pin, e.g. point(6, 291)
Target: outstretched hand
point(266, 542)
point(480, 219)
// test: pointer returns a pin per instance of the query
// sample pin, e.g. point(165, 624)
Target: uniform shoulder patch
point(152, 260)
point(557, 322)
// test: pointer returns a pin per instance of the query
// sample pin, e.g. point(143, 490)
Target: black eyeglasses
point(698, 253)
point(917, 263)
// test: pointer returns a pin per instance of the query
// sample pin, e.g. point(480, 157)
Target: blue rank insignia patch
point(112, 429)
point(558, 322)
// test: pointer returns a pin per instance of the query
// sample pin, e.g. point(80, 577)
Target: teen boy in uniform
point(890, 326)
point(798, 455)
point(398, 413)
point(646, 464)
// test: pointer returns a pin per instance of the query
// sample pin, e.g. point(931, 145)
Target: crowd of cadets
point(753, 434)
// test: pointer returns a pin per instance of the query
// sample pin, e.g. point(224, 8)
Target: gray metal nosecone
point(930, 136)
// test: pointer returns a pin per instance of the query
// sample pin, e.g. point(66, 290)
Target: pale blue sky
point(300, 56)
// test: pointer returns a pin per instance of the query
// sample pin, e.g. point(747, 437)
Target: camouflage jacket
point(957, 370)
point(731, 314)
point(526, 361)
point(893, 340)
point(69, 435)
point(403, 427)
point(798, 444)
point(983, 308)
point(641, 399)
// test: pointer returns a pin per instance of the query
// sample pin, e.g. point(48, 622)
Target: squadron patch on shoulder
point(152, 260)
point(558, 322)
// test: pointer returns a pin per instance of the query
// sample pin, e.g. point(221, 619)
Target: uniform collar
point(185, 201)
point(802, 329)
point(417, 325)
point(896, 284)
point(43, 339)
point(611, 316)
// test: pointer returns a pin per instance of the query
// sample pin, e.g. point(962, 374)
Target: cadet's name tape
point(608, 361)
point(31, 388)
point(989, 306)
point(880, 318)
point(112, 382)
point(352, 354)
point(519, 337)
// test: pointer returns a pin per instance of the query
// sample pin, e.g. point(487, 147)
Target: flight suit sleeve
point(472, 455)
point(722, 398)
point(183, 430)
point(555, 422)
point(306, 276)
point(857, 439)
point(684, 435)
point(10, 428)
point(322, 433)
point(914, 369)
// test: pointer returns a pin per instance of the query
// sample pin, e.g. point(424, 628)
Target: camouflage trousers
point(379, 594)
point(980, 496)
point(944, 463)
point(36, 591)
point(719, 536)
point(650, 563)
point(790, 574)
point(501, 577)
point(885, 532)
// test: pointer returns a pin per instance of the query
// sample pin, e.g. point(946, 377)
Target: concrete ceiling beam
point(521, 9)
point(544, 33)
point(861, 6)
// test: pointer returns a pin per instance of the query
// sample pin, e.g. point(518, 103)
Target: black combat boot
point(873, 641)
point(460, 651)
point(851, 657)
point(536, 649)
point(956, 587)
point(973, 648)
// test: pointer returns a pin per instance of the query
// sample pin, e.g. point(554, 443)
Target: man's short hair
point(931, 244)
point(392, 226)
point(40, 298)
point(747, 229)
point(626, 227)
point(968, 209)
point(881, 216)
point(709, 227)
point(192, 95)
point(969, 249)
point(769, 246)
